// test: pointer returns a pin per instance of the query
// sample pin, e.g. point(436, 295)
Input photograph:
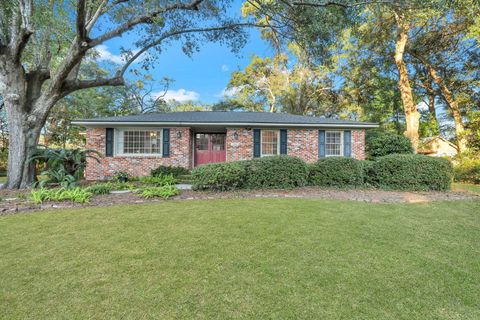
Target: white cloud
point(104, 54)
point(180, 95)
point(225, 68)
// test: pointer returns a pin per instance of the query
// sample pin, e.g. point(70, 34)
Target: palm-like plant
point(63, 166)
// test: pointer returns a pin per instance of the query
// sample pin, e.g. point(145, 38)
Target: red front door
point(209, 147)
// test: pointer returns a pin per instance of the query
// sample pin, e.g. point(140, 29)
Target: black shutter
point(256, 143)
point(321, 143)
point(166, 143)
point(283, 141)
point(109, 142)
point(347, 143)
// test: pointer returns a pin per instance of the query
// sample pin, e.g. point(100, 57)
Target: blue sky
point(202, 77)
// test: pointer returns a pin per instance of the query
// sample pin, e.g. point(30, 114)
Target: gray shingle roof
point(222, 117)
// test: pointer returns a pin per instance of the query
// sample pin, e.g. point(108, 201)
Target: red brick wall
point(241, 148)
point(358, 144)
point(180, 155)
point(302, 143)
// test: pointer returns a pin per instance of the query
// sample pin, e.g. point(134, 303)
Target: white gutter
point(222, 124)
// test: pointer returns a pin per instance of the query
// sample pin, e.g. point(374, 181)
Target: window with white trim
point(270, 142)
point(139, 141)
point(333, 143)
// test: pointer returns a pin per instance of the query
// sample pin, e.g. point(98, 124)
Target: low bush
point(100, 188)
point(219, 176)
point(380, 143)
point(165, 192)
point(467, 170)
point(158, 181)
point(411, 172)
point(121, 176)
point(336, 172)
point(169, 170)
point(75, 195)
point(276, 172)
point(367, 166)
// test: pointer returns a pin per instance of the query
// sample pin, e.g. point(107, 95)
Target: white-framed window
point(270, 142)
point(138, 141)
point(333, 143)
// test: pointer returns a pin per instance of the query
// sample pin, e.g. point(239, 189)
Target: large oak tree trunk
point(412, 116)
point(24, 123)
point(453, 105)
point(23, 138)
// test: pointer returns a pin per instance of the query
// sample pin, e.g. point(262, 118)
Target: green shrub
point(467, 170)
point(219, 176)
point(165, 192)
point(276, 172)
point(380, 143)
point(411, 172)
point(100, 188)
point(169, 170)
point(367, 166)
point(75, 195)
point(158, 181)
point(121, 176)
point(3, 160)
point(62, 166)
point(336, 172)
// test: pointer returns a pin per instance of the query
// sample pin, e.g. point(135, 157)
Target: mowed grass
point(244, 259)
point(473, 188)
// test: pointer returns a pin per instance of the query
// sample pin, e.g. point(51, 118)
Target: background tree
point(263, 82)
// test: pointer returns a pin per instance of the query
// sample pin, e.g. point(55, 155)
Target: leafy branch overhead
point(45, 45)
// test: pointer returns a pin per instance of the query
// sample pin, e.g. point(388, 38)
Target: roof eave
point(222, 124)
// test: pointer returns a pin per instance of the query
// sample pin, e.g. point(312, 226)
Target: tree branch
point(81, 17)
point(95, 16)
point(157, 42)
point(21, 33)
point(339, 4)
point(146, 18)
point(70, 86)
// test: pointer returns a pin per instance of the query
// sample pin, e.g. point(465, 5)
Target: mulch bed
point(15, 201)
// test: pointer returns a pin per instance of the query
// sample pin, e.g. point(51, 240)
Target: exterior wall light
point(235, 135)
point(179, 134)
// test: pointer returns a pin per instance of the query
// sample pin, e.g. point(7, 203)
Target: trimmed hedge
point(261, 173)
point(411, 172)
point(367, 166)
point(395, 172)
point(276, 172)
point(336, 172)
point(219, 176)
point(380, 143)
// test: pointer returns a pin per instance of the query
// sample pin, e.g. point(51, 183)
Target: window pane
point(333, 143)
point(201, 141)
point(141, 142)
point(218, 142)
point(269, 142)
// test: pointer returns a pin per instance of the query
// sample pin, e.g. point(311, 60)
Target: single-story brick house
point(139, 143)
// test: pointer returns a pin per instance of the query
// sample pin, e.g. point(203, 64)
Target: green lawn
point(474, 188)
point(256, 259)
